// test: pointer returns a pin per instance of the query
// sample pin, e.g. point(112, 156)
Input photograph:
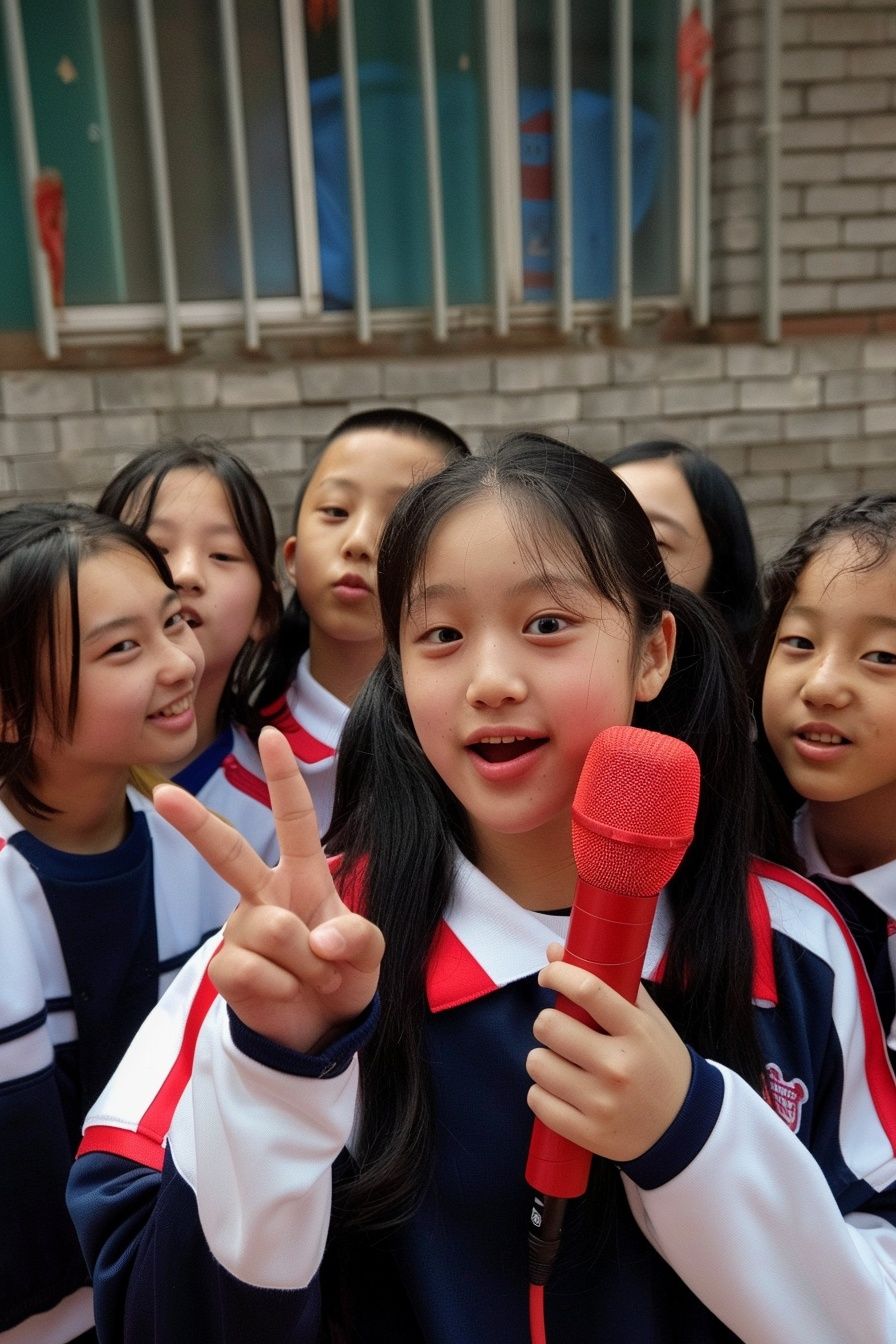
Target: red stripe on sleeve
point(146, 1143)
point(123, 1143)
point(877, 1063)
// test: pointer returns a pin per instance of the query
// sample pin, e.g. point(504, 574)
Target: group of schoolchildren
point(283, 897)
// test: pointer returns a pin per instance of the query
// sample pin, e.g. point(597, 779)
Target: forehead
point(114, 578)
point(495, 543)
point(660, 488)
point(839, 572)
point(188, 492)
point(377, 460)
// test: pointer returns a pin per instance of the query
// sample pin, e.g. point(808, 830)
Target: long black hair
point(132, 495)
point(42, 547)
point(733, 580)
point(870, 522)
point(394, 814)
point(293, 636)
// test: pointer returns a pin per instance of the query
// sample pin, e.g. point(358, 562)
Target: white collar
point(878, 884)
point(487, 940)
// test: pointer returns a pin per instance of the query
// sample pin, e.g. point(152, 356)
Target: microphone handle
point(608, 936)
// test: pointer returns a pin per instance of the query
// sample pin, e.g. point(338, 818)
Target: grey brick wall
point(838, 230)
point(797, 426)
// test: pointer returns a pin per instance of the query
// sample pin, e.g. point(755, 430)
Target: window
point(87, 72)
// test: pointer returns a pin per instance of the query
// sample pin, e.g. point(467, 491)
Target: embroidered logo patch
point(785, 1097)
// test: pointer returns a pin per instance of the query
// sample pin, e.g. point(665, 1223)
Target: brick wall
point(797, 426)
point(838, 228)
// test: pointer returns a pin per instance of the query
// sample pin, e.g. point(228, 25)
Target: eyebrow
point(125, 622)
point(668, 521)
point(216, 529)
point(559, 584)
point(343, 483)
point(807, 613)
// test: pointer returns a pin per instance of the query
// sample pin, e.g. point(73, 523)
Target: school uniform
point(867, 902)
point(312, 719)
point(204, 1210)
point(88, 943)
point(229, 778)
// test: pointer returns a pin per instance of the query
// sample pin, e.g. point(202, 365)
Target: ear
point(289, 558)
point(656, 659)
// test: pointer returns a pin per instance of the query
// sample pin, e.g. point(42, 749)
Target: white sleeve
point(257, 1146)
point(752, 1227)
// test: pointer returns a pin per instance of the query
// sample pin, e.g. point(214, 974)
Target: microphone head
point(634, 810)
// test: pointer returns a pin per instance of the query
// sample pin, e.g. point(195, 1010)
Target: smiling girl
point(742, 1124)
point(827, 658)
point(101, 901)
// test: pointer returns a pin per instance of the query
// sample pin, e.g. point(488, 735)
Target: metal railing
point(506, 307)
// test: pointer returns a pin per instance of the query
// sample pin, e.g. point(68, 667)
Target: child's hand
point(295, 963)
point(613, 1094)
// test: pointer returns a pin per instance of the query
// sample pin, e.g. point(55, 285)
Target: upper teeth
point(503, 739)
point(177, 707)
point(829, 739)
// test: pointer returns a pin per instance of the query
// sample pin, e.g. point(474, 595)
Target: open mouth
point(176, 707)
point(498, 749)
point(191, 618)
point(824, 739)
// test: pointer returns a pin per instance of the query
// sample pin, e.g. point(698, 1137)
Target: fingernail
point(329, 941)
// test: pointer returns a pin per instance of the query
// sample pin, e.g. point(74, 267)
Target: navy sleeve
point(155, 1287)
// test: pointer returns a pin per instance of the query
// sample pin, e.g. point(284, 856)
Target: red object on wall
point(49, 207)
point(319, 13)
point(694, 47)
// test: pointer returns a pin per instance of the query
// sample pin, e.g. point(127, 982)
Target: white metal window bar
point(562, 161)
point(504, 173)
point(702, 206)
point(507, 306)
point(622, 158)
point(427, 57)
point(158, 158)
point(301, 156)
point(236, 134)
point(351, 106)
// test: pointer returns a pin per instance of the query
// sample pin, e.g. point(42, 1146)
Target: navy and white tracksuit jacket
point(229, 778)
point(88, 943)
point(312, 719)
point(202, 1196)
point(867, 902)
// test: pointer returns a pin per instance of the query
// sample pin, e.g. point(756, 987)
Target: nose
point(494, 680)
point(186, 569)
point(826, 684)
point(362, 537)
point(181, 661)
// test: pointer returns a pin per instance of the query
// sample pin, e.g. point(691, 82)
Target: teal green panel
point(74, 137)
point(16, 311)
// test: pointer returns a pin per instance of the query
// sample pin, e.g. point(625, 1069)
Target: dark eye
point(222, 555)
point(442, 634)
point(797, 642)
point(547, 625)
point(123, 646)
point(881, 658)
point(175, 620)
point(334, 511)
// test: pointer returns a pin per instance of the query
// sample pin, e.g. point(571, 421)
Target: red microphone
point(632, 821)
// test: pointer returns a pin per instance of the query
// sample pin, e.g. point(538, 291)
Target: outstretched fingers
point(219, 843)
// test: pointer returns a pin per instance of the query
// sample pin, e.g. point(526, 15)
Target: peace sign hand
point(295, 964)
